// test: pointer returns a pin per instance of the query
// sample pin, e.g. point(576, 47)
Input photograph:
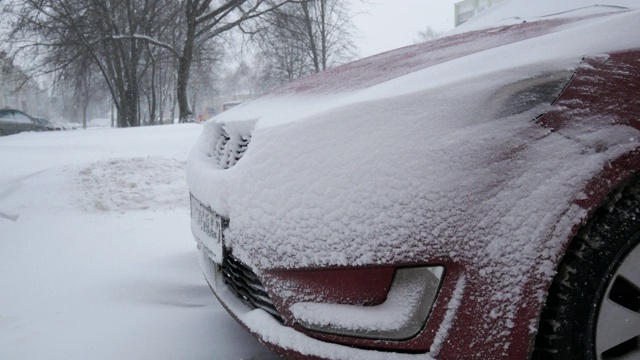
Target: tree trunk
point(184, 69)
point(113, 110)
point(154, 100)
point(84, 114)
point(128, 115)
point(323, 34)
point(308, 22)
point(174, 101)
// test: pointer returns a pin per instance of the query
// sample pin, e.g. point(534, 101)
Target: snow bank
point(125, 184)
point(121, 282)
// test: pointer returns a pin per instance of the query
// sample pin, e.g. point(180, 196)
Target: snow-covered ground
point(97, 258)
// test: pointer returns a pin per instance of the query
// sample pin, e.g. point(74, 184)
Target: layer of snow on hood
point(348, 179)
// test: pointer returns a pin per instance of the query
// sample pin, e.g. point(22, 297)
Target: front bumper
point(284, 340)
point(456, 327)
point(460, 324)
point(372, 308)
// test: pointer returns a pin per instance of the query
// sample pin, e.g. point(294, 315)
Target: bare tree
point(305, 37)
point(328, 28)
point(69, 33)
point(203, 21)
point(206, 75)
point(206, 20)
point(281, 55)
point(83, 80)
point(117, 35)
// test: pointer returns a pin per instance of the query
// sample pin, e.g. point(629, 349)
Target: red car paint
point(603, 92)
point(617, 80)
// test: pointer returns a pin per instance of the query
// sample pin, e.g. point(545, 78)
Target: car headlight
point(401, 316)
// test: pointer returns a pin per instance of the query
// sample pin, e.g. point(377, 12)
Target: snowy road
point(98, 261)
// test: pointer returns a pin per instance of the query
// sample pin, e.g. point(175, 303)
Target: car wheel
point(593, 306)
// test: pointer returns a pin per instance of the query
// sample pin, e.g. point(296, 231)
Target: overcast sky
point(388, 24)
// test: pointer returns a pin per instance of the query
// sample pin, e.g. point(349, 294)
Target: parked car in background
point(15, 121)
point(51, 126)
point(472, 197)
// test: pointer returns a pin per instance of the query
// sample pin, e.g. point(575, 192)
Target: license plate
point(206, 227)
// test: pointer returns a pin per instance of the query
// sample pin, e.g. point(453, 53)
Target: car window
point(6, 115)
point(22, 118)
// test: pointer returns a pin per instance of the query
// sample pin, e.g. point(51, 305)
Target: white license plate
point(206, 227)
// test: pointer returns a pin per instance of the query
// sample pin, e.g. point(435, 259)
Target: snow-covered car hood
point(411, 152)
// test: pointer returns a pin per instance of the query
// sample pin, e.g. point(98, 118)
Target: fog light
point(401, 316)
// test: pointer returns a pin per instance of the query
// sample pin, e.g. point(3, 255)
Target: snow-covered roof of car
point(516, 11)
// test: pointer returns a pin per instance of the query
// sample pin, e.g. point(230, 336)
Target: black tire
point(591, 278)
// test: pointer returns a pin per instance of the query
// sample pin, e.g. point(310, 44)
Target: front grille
point(247, 286)
point(229, 147)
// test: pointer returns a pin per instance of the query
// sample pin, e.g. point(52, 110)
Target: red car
point(472, 197)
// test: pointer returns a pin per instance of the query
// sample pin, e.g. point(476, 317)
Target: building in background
point(18, 91)
point(465, 10)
